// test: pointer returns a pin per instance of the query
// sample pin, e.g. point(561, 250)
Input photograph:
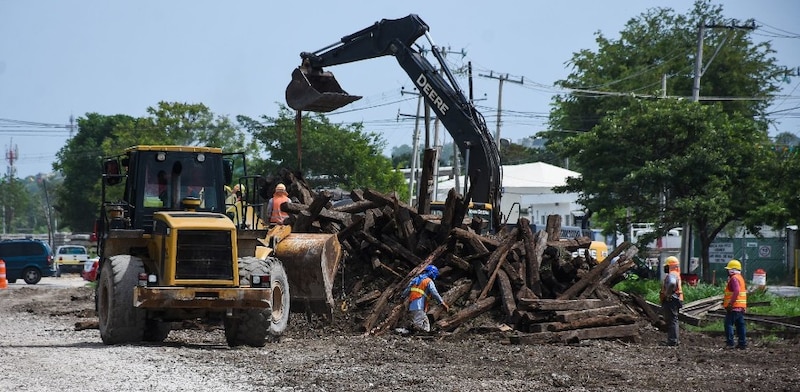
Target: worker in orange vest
point(274, 212)
point(735, 304)
point(671, 296)
point(419, 291)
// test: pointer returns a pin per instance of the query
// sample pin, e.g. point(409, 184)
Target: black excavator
point(316, 90)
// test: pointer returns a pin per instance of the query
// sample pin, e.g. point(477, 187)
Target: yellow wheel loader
point(171, 250)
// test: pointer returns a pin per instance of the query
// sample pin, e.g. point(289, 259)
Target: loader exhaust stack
point(316, 91)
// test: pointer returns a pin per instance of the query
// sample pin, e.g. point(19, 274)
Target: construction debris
point(533, 282)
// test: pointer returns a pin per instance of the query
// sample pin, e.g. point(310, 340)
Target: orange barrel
point(760, 278)
point(3, 280)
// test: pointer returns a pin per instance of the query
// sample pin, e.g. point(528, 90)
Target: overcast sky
point(68, 58)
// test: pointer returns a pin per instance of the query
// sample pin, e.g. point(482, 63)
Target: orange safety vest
point(678, 287)
point(418, 291)
point(277, 215)
point(741, 300)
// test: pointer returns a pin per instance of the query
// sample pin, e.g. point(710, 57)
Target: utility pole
point(501, 78)
point(699, 70)
point(71, 125)
point(414, 147)
point(414, 152)
point(49, 213)
point(415, 140)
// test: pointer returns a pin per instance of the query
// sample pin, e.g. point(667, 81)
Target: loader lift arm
point(316, 90)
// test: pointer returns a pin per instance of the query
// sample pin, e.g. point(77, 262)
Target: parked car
point(71, 258)
point(27, 259)
point(89, 272)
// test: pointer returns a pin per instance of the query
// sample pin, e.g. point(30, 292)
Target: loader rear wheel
point(280, 297)
point(249, 326)
point(119, 321)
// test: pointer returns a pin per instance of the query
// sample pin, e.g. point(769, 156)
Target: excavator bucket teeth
point(316, 92)
point(311, 262)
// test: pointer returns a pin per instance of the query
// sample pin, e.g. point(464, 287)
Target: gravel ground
point(42, 350)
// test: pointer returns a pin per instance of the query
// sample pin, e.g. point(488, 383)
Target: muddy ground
point(42, 350)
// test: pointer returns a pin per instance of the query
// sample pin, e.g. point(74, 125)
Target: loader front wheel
point(118, 320)
point(156, 330)
point(249, 326)
point(280, 298)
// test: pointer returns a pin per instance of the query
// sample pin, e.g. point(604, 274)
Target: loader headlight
point(260, 280)
point(147, 280)
point(143, 279)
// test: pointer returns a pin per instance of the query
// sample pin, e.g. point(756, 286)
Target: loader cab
point(164, 178)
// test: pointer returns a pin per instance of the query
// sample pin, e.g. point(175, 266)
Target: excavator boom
point(313, 89)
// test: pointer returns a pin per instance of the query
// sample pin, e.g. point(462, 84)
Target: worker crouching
point(419, 291)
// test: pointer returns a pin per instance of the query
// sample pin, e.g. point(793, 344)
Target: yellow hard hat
point(672, 260)
point(280, 188)
point(734, 264)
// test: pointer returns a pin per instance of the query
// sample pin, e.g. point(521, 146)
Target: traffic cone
point(3, 280)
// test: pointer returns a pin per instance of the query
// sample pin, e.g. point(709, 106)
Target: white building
point(527, 192)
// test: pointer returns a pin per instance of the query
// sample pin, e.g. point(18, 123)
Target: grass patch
point(649, 289)
point(778, 306)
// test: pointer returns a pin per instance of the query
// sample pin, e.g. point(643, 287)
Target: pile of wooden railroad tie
point(530, 284)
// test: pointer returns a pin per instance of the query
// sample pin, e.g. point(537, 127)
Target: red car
point(90, 269)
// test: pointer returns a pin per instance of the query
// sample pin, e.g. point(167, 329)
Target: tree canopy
point(78, 196)
point(19, 211)
point(661, 43)
point(669, 161)
point(645, 151)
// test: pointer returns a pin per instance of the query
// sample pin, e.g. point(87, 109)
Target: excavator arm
point(314, 89)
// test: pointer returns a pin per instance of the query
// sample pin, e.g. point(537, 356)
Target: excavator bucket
point(311, 262)
point(316, 91)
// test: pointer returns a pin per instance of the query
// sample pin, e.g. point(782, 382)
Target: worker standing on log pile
point(735, 304)
point(419, 291)
point(274, 212)
point(671, 296)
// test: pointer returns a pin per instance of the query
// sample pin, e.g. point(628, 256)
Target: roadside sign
point(720, 252)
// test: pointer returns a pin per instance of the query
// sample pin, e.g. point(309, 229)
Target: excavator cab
point(316, 90)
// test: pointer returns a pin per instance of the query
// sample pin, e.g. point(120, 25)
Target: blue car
point(27, 259)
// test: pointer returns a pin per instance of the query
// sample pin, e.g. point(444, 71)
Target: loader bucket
point(311, 262)
point(316, 91)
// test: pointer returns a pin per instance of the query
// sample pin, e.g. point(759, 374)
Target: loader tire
point(119, 321)
point(249, 326)
point(156, 330)
point(280, 297)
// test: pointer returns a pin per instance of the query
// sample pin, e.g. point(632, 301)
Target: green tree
point(333, 155)
point(783, 207)
point(15, 205)
point(667, 161)
point(401, 156)
point(516, 154)
point(661, 43)
point(78, 197)
point(614, 80)
point(175, 123)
